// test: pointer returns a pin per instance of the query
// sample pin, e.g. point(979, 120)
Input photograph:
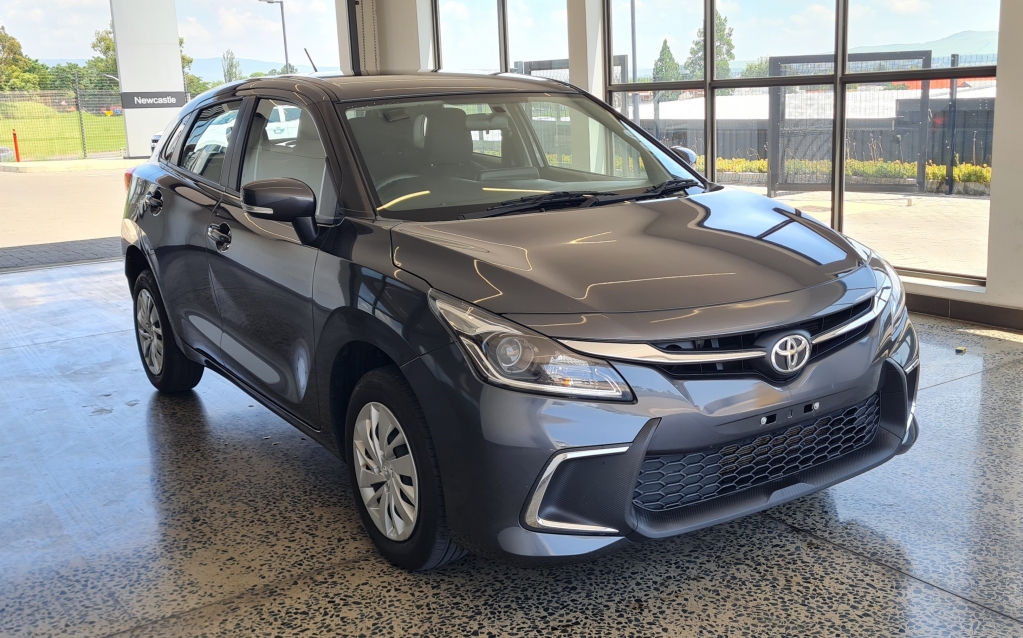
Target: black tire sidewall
point(386, 386)
point(179, 373)
point(146, 282)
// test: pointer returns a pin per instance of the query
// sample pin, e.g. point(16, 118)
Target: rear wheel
point(167, 367)
point(394, 475)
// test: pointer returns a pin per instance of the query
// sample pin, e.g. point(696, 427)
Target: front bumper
point(528, 477)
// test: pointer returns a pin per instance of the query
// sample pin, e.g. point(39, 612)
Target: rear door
point(262, 273)
point(181, 195)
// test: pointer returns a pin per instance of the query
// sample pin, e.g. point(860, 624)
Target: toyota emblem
point(790, 353)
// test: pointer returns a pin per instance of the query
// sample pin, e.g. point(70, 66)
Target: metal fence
point(74, 116)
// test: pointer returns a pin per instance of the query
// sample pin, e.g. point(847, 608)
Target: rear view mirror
point(686, 155)
point(281, 199)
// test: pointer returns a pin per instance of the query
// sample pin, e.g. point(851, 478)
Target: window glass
point(468, 35)
point(206, 146)
point(906, 143)
point(887, 35)
point(675, 118)
point(538, 38)
point(168, 149)
point(764, 38)
point(288, 147)
point(441, 158)
point(668, 42)
point(777, 142)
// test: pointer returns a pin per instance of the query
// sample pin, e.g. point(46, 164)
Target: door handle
point(154, 201)
point(221, 235)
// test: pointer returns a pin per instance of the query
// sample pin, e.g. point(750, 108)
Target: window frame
point(229, 161)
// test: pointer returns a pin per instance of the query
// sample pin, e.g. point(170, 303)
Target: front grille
point(747, 340)
point(670, 481)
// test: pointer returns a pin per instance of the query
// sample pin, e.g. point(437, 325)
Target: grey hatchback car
point(528, 328)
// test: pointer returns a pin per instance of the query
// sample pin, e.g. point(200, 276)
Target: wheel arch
point(134, 263)
point(352, 362)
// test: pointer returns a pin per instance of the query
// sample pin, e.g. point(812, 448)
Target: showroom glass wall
point(911, 123)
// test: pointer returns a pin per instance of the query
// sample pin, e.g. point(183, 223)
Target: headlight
point(512, 356)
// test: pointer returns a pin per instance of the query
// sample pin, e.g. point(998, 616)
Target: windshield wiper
point(544, 201)
point(559, 199)
point(670, 186)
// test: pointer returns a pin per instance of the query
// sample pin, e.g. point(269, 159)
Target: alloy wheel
point(150, 331)
point(385, 471)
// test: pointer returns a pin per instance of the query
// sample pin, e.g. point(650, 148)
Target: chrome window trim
point(533, 518)
point(646, 353)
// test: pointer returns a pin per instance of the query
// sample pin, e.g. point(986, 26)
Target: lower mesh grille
point(670, 481)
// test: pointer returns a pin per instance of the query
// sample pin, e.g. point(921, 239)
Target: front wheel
point(167, 367)
point(394, 475)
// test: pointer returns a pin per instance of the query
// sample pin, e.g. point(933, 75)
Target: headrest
point(448, 139)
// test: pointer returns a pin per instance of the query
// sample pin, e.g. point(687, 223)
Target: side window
point(284, 142)
point(167, 154)
point(207, 142)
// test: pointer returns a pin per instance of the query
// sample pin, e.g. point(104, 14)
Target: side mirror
point(280, 199)
point(685, 154)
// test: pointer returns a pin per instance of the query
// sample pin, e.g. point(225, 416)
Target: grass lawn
point(58, 136)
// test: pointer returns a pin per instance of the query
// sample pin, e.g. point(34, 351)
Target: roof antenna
point(315, 70)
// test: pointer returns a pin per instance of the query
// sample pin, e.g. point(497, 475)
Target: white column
point(1005, 241)
point(344, 43)
point(586, 35)
point(396, 36)
point(149, 68)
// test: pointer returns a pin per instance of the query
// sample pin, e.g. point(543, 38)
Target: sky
point(59, 29)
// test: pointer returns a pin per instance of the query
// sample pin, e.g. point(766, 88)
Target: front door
point(262, 274)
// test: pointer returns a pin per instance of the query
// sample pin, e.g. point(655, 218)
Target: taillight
point(127, 178)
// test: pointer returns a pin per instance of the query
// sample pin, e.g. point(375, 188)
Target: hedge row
point(856, 168)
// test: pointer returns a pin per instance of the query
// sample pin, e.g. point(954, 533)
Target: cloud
point(191, 29)
point(907, 7)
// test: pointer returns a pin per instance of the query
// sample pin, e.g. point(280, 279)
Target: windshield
point(441, 158)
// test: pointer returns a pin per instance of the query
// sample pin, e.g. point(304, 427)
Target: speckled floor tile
point(127, 512)
point(150, 504)
point(985, 348)
point(750, 578)
point(950, 511)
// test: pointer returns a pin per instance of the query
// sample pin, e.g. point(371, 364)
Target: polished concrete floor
point(123, 512)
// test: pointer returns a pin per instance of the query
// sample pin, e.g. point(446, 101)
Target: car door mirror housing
point(281, 199)
point(687, 155)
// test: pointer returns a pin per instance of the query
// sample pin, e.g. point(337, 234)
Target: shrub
point(25, 110)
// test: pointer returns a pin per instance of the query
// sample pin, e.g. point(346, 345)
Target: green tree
point(232, 68)
point(666, 69)
point(756, 69)
point(724, 50)
point(18, 72)
point(288, 68)
point(105, 62)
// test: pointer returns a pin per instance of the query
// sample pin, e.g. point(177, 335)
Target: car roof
point(398, 85)
point(386, 86)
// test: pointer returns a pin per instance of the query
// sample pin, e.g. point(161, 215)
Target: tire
point(426, 542)
point(167, 367)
